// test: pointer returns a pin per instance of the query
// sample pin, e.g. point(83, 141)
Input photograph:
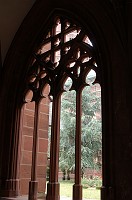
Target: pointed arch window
point(65, 52)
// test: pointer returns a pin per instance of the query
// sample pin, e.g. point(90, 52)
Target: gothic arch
point(102, 31)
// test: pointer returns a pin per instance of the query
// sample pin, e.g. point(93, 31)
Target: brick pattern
point(26, 147)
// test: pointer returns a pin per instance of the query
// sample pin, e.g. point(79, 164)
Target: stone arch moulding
point(15, 69)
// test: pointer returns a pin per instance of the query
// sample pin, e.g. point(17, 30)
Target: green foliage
point(95, 182)
point(47, 173)
point(91, 129)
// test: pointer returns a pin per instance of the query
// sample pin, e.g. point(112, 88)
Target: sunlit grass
point(66, 188)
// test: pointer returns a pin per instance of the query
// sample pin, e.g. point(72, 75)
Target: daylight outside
point(91, 146)
point(74, 71)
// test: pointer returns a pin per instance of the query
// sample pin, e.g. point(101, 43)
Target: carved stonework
point(65, 52)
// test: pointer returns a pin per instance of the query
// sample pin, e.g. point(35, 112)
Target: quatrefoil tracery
point(65, 51)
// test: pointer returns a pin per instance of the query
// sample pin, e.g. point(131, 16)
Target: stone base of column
point(33, 190)
point(107, 193)
point(53, 191)
point(25, 197)
point(9, 188)
point(77, 192)
point(103, 193)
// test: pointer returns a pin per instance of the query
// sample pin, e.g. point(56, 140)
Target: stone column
point(53, 186)
point(77, 187)
point(12, 183)
point(33, 184)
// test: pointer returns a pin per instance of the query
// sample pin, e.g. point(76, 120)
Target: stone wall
point(27, 140)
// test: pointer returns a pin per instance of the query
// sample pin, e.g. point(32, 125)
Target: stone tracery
point(64, 52)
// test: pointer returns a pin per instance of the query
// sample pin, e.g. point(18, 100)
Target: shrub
point(95, 182)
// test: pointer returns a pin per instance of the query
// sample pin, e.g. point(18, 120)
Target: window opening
point(27, 142)
point(65, 61)
point(67, 141)
point(35, 126)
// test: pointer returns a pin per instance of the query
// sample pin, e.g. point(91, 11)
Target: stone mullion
point(33, 184)
point(77, 187)
point(53, 186)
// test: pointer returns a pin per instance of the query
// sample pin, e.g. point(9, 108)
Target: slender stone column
point(33, 184)
point(53, 186)
point(77, 187)
point(12, 183)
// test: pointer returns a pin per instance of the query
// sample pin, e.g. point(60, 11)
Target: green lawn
point(66, 188)
point(88, 193)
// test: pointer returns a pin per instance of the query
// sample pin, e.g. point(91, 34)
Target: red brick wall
point(92, 173)
point(26, 147)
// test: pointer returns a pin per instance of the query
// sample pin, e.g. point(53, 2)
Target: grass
point(88, 193)
point(66, 188)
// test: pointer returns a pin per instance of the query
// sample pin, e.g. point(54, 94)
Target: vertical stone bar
point(77, 187)
point(12, 183)
point(33, 184)
point(53, 187)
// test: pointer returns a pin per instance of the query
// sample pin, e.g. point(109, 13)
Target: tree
point(91, 129)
